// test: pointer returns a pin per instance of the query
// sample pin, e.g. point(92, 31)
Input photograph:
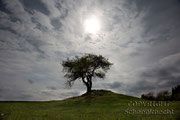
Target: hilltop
point(99, 96)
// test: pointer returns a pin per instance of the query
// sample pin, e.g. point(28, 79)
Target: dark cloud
point(35, 5)
point(114, 85)
point(56, 23)
point(39, 25)
point(60, 6)
point(140, 87)
point(3, 7)
point(51, 87)
point(31, 81)
point(8, 29)
point(167, 69)
point(161, 18)
point(162, 76)
point(36, 44)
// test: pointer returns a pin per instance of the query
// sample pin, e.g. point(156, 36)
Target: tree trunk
point(88, 89)
point(88, 84)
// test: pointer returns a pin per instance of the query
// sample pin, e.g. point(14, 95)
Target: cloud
point(51, 87)
point(162, 76)
point(166, 72)
point(58, 94)
point(114, 85)
point(31, 81)
point(35, 5)
point(140, 37)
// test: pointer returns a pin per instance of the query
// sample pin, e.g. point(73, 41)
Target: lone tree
point(84, 68)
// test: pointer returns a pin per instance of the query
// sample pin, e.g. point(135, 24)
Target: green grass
point(100, 105)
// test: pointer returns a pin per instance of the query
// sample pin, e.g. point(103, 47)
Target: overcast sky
point(140, 37)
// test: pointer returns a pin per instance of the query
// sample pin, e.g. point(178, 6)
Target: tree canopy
point(84, 68)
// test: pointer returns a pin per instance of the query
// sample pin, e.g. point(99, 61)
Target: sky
point(141, 38)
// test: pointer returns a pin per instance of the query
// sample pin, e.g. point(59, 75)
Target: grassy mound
point(100, 97)
point(98, 105)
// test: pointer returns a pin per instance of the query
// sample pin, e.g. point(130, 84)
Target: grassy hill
point(99, 105)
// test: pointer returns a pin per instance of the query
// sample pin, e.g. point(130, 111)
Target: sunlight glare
point(92, 25)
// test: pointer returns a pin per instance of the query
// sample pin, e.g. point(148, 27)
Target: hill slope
point(99, 105)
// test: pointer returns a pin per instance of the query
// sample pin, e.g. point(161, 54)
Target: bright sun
point(92, 25)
